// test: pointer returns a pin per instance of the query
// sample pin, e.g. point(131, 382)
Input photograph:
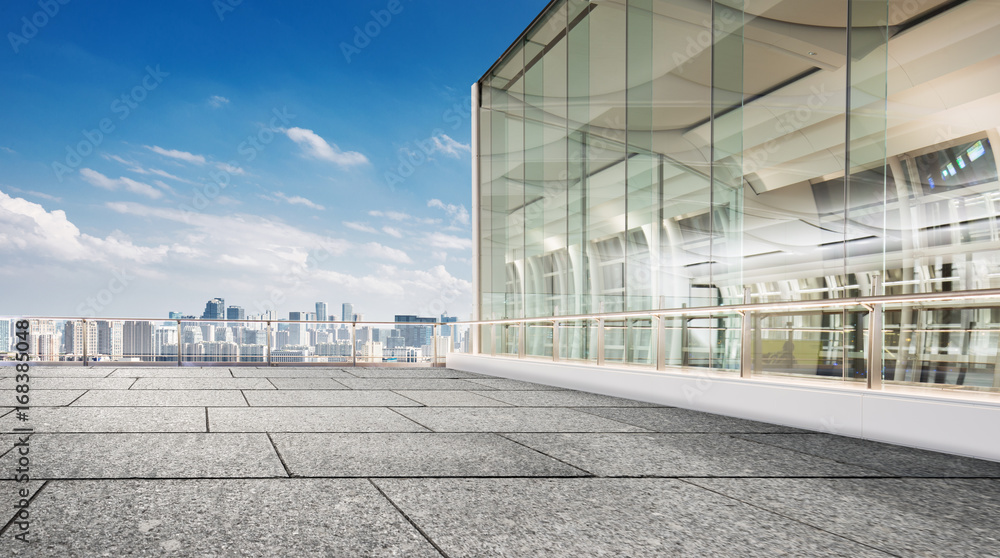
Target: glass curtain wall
point(645, 154)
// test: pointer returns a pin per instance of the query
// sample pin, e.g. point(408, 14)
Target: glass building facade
point(636, 155)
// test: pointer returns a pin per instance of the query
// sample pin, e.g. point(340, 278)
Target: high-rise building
point(347, 312)
point(5, 331)
point(215, 309)
point(235, 313)
point(321, 311)
point(109, 339)
point(415, 335)
point(298, 334)
point(80, 338)
point(176, 315)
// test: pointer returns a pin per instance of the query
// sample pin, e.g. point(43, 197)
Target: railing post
point(555, 341)
point(600, 341)
point(354, 344)
point(746, 338)
point(522, 344)
point(180, 342)
point(269, 343)
point(493, 340)
point(434, 341)
point(661, 342)
point(85, 332)
point(874, 363)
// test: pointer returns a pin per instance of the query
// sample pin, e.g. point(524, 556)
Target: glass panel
point(947, 346)
point(539, 339)
point(575, 339)
point(640, 341)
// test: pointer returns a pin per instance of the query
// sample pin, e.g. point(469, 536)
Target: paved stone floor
point(436, 462)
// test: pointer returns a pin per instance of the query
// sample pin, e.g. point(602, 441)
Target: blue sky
point(157, 154)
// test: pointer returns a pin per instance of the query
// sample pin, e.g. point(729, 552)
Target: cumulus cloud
point(457, 213)
point(299, 200)
point(101, 181)
point(318, 148)
point(26, 228)
point(389, 255)
point(176, 154)
point(216, 101)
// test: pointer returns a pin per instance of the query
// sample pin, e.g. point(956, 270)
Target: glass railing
point(942, 339)
point(200, 342)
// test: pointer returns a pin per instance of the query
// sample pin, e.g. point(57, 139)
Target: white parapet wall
point(958, 423)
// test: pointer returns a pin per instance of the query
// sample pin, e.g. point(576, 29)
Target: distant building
point(347, 312)
point(415, 335)
point(215, 309)
point(322, 311)
point(235, 313)
point(4, 336)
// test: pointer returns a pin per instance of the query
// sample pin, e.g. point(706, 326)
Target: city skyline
point(337, 161)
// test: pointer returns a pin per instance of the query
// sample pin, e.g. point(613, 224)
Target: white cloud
point(389, 255)
point(392, 232)
point(216, 101)
point(361, 227)
point(449, 242)
point(6, 149)
point(457, 213)
point(135, 167)
point(443, 143)
point(176, 154)
point(236, 171)
point(26, 228)
point(316, 147)
point(400, 216)
point(299, 200)
point(101, 181)
point(36, 194)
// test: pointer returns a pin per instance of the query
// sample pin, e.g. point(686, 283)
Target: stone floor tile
point(112, 419)
point(300, 517)
point(80, 383)
point(672, 419)
point(202, 383)
point(451, 398)
point(512, 419)
point(172, 372)
point(890, 459)
point(309, 419)
point(681, 455)
point(524, 398)
point(512, 385)
point(328, 398)
point(905, 517)
point(600, 517)
point(306, 383)
point(417, 454)
point(162, 398)
point(147, 455)
point(409, 383)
